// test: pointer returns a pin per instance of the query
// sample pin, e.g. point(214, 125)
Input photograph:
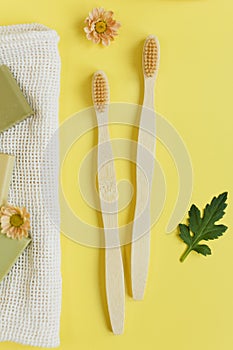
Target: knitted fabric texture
point(30, 295)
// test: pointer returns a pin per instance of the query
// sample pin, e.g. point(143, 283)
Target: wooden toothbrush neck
point(149, 87)
point(102, 117)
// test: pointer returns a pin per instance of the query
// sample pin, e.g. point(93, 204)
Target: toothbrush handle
point(115, 289)
point(114, 275)
point(140, 255)
point(140, 249)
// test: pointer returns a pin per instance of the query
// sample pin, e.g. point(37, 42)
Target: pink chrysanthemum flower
point(101, 27)
point(14, 222)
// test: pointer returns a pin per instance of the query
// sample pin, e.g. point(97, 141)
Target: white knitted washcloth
point(30, 295)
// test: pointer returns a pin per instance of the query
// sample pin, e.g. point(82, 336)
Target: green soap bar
point(6, 168)
point(13, 105)
point(10, 250)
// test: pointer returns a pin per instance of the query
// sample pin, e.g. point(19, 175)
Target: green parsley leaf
point(203, 228)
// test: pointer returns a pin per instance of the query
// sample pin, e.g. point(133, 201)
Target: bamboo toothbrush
point(115, 289)
point(140, 249)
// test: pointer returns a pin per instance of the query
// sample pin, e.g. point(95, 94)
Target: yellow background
point(186, 306)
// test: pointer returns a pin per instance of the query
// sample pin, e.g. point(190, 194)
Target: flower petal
point(86, 29)
point(108, 15)
point(5, 229)
point(90, 15)
point(95, 13)
point(101, 11)
point(105, 41)
point(116, 25)
point(96, 39)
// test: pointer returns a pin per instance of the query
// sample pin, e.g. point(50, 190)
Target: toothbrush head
point(100, 91)
point(151, 55)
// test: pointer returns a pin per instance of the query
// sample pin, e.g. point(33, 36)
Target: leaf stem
point(185, 254)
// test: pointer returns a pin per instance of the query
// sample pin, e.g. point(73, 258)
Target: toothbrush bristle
point(100, 92)
point(151, 56)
